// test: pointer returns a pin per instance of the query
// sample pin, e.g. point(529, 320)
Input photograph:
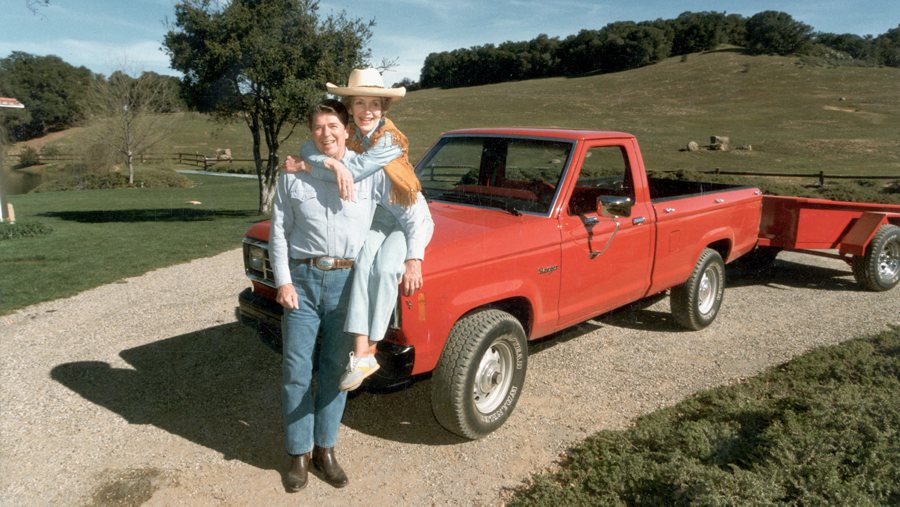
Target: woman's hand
point(412, 278)
point(287, 296)
point(293, 165)
point(346, 188)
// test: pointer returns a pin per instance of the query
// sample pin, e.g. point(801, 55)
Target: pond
point(16, 182)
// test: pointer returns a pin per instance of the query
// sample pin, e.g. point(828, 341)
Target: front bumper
point(264, 315)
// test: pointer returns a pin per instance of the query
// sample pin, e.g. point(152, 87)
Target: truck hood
point(462, 235)
point(466, 235)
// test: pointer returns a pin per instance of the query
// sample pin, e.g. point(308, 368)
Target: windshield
point(513, 174)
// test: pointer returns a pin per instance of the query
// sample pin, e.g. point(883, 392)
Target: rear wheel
point(696, 302)
point(479, 377)
point(879, 268)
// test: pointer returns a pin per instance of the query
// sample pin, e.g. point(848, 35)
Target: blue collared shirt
point(371, 162)
point(309, 219)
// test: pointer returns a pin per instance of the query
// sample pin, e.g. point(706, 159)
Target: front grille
point(267, 277)
point(264, 275)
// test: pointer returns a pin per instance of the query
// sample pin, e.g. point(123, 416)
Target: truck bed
point(663, 189)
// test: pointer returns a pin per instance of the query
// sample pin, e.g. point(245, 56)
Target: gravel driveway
point(147, 390)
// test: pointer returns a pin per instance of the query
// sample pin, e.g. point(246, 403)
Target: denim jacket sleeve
point(361, 167)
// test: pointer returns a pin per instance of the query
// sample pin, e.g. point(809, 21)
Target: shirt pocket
point(304, 198)
point(361, 207)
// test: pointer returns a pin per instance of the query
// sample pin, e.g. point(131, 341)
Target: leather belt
point(326, 263)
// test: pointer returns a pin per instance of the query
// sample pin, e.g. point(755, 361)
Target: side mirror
point(614, 206)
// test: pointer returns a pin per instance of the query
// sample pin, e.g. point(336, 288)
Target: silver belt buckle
point(325, 263)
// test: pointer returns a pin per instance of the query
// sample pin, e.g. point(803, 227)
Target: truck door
point(606, 261)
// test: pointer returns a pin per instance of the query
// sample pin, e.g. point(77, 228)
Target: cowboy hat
point(366, 83)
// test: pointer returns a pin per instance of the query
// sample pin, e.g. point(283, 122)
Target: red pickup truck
point(540, 229)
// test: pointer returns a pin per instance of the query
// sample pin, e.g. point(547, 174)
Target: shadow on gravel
point(401, 416)
point(788, 274)
point(217, 388)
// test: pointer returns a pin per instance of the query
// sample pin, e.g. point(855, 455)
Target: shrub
point(29, 157)
point(50, 151)
point(819, 430)
point(23, 230)
point(76, 179)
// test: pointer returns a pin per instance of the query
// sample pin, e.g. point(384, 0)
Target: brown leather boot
point(298, 474)
point(323, 459)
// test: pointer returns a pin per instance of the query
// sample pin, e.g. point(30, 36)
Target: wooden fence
point(202, 161)
point(192, 159)
point(820, 176)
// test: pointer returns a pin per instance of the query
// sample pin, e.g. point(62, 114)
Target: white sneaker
point(357, 371)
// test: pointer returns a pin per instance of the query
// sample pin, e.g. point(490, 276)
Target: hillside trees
point(887, 48)
point(50, 88)
point(265, 61)
point(774, 32)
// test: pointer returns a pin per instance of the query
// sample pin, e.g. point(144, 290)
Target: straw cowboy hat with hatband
point(366, 83)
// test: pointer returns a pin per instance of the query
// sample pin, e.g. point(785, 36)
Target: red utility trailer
point(865, 235)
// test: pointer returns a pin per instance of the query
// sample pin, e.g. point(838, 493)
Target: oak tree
point(264, 61)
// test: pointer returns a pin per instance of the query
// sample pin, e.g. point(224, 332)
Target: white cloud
point(100, 57)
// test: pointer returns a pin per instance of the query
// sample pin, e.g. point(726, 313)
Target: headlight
point(256, 258)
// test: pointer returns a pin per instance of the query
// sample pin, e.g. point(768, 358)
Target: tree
point(773, 32)
point(858, 48)
point(265, 61)
point(50, 88)
point(129, 111)
point(698, 31)
point(887, 47)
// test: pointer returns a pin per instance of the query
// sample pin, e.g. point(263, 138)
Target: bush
point(23, 230)
point(29, 157)
point(75, 178)
point(819, 430)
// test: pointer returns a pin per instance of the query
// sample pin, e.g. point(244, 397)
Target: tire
point(480, 374)
point(696, 302)
point(879, 269)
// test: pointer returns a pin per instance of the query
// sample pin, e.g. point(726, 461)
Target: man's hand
point(346, 188)
point(412, 278)
point(292, 165)
point(287, 296)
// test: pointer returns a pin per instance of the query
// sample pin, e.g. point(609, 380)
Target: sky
point(110, 35)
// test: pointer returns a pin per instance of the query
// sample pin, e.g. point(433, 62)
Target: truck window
point(604, 171)
point(515, 174)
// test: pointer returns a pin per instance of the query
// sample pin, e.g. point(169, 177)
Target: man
point(315, 238)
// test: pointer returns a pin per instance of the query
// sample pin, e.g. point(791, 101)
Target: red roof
point(10, 102)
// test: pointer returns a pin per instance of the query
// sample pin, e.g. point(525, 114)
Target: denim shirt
point(309, 219)
point(370, 163)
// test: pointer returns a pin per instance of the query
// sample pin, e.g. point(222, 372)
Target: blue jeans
point(376, 277)
point(312, 411)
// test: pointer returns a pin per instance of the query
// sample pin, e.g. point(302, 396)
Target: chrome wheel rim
point(889, 260)
point(493, 377)
point(706, 292)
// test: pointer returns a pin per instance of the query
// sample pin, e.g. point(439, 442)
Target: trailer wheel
point(879, 268)
point(696, 302)
point(480, 375)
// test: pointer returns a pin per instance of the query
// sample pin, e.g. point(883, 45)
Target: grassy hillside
point(796, 117)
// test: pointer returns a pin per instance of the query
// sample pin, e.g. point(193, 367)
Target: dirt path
point(148, 391)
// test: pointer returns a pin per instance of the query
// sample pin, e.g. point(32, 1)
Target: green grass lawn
point(819, 430)
point(101, 236)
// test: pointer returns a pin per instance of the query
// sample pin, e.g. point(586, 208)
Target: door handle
point(638, 220)
point(669, 210)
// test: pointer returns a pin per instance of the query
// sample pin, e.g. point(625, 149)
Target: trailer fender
point(860, 234)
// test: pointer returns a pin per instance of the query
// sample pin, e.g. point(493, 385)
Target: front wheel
point(480, 375)
point(879, 268)
point(696, 302)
